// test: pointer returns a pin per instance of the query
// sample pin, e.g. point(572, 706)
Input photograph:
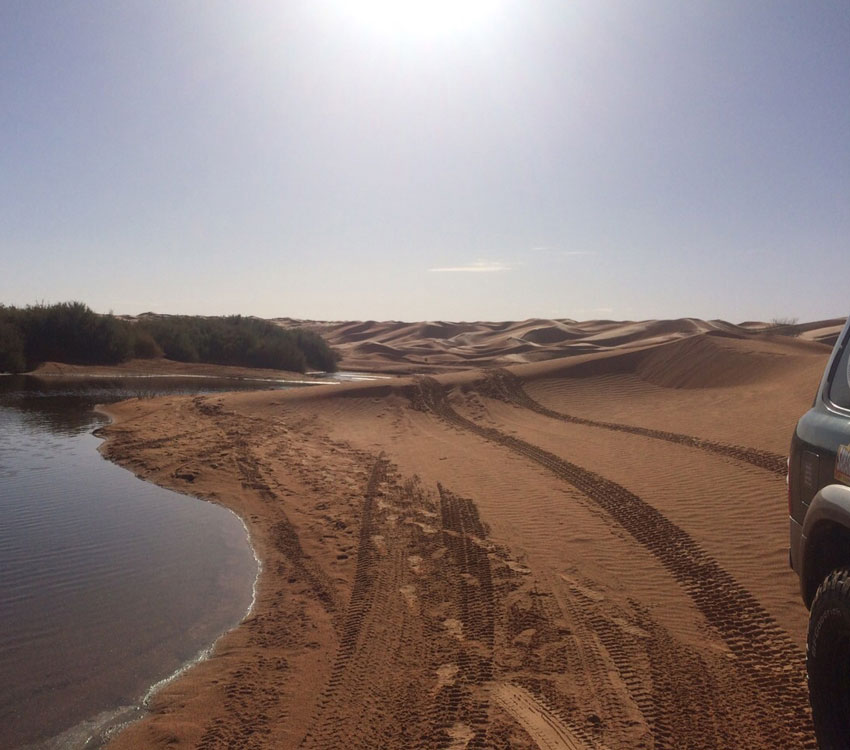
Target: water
point(107, 583)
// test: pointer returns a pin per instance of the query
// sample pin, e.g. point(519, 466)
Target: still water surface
point(108, 584)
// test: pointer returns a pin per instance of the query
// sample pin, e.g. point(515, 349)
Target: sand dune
point(579, 552)
point(439, 346)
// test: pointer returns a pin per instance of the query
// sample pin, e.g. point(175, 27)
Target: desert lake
point(108, 584)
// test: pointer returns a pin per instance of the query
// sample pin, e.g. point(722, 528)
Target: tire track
point(664, 677)
point(465, 579)
point(506, 386)
point(362, 591)
point(558, 660)
point(625, 650)
point(328, 726)
point(543, 725)
point(762, 652)
point(414, 659)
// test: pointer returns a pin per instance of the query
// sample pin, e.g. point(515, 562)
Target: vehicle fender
point(831, 505)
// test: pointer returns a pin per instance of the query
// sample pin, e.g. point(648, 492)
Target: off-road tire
point(828, 661)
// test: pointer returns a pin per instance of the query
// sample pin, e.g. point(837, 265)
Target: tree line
point(70, 332)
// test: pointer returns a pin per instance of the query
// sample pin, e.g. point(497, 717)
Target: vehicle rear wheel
point(828, 661)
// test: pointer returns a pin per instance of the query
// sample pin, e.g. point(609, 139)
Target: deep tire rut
point(764, 656)
point(415, 650)
point(506, 386)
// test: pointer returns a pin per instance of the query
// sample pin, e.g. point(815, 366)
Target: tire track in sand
point(331, 722)
point(764, 655)
point(415, 654)
point(543, 726)
point(506, 386)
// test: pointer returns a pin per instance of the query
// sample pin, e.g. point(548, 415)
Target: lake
point(108, 584)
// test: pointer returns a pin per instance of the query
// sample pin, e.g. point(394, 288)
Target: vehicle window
point(839, 389)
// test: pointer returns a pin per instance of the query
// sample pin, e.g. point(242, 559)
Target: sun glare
point(421, 16)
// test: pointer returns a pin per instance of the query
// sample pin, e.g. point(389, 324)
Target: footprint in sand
point(455, 627)
point(446, 674)
point(461, 735)
point(408, 592)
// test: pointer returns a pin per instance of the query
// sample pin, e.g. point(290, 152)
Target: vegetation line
point(70, 332)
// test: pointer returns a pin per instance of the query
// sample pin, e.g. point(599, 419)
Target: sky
point(442, 160)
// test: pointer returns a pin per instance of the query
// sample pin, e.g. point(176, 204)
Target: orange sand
point(585, 552)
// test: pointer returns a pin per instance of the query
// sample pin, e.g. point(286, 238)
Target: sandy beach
point(541, 535)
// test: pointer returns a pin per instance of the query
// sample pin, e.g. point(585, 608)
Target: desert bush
point(241, 341)
point(174, 339)
point(144, 345)
point(319, 355)
point(66, 332)
point(70, 332)
point(784, 326)
point(12, 357)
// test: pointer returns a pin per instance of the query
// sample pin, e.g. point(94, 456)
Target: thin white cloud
point(562, 253)
point(479, 267)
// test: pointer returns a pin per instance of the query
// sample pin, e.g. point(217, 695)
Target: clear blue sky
point(336, 159)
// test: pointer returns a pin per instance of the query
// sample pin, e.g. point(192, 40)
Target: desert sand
point(438, 346)
point(520, 551)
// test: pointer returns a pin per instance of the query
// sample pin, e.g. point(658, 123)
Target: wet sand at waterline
point(584, 552)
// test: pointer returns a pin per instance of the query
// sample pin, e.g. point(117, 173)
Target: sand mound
point(440, 346)
point(824, 332)
point(712, 361)
point(550, 334)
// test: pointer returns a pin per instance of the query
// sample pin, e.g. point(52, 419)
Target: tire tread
point(832, 725)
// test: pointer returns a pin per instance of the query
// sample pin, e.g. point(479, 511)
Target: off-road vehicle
point(819, 506)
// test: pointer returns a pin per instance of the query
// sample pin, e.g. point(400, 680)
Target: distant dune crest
point(712, 357)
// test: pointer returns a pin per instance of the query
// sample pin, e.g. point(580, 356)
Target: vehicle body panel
point(818, 494)
point(829, 509)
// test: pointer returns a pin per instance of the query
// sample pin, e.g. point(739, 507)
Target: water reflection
point(107, 583)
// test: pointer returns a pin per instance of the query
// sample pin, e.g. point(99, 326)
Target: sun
point(421, 17)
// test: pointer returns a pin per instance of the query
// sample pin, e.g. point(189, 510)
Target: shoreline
point(196, 680)
point(115, 656)
point(165, 368)
point(113, 722)
point(96, 732)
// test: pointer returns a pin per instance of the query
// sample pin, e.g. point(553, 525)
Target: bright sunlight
point(422, 16)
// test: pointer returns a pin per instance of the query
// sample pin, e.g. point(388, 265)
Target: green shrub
point(12, 358)
point(144, 345)
point(175, 341)
point(70, 332)
point(319, 355)
point(236, 340)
